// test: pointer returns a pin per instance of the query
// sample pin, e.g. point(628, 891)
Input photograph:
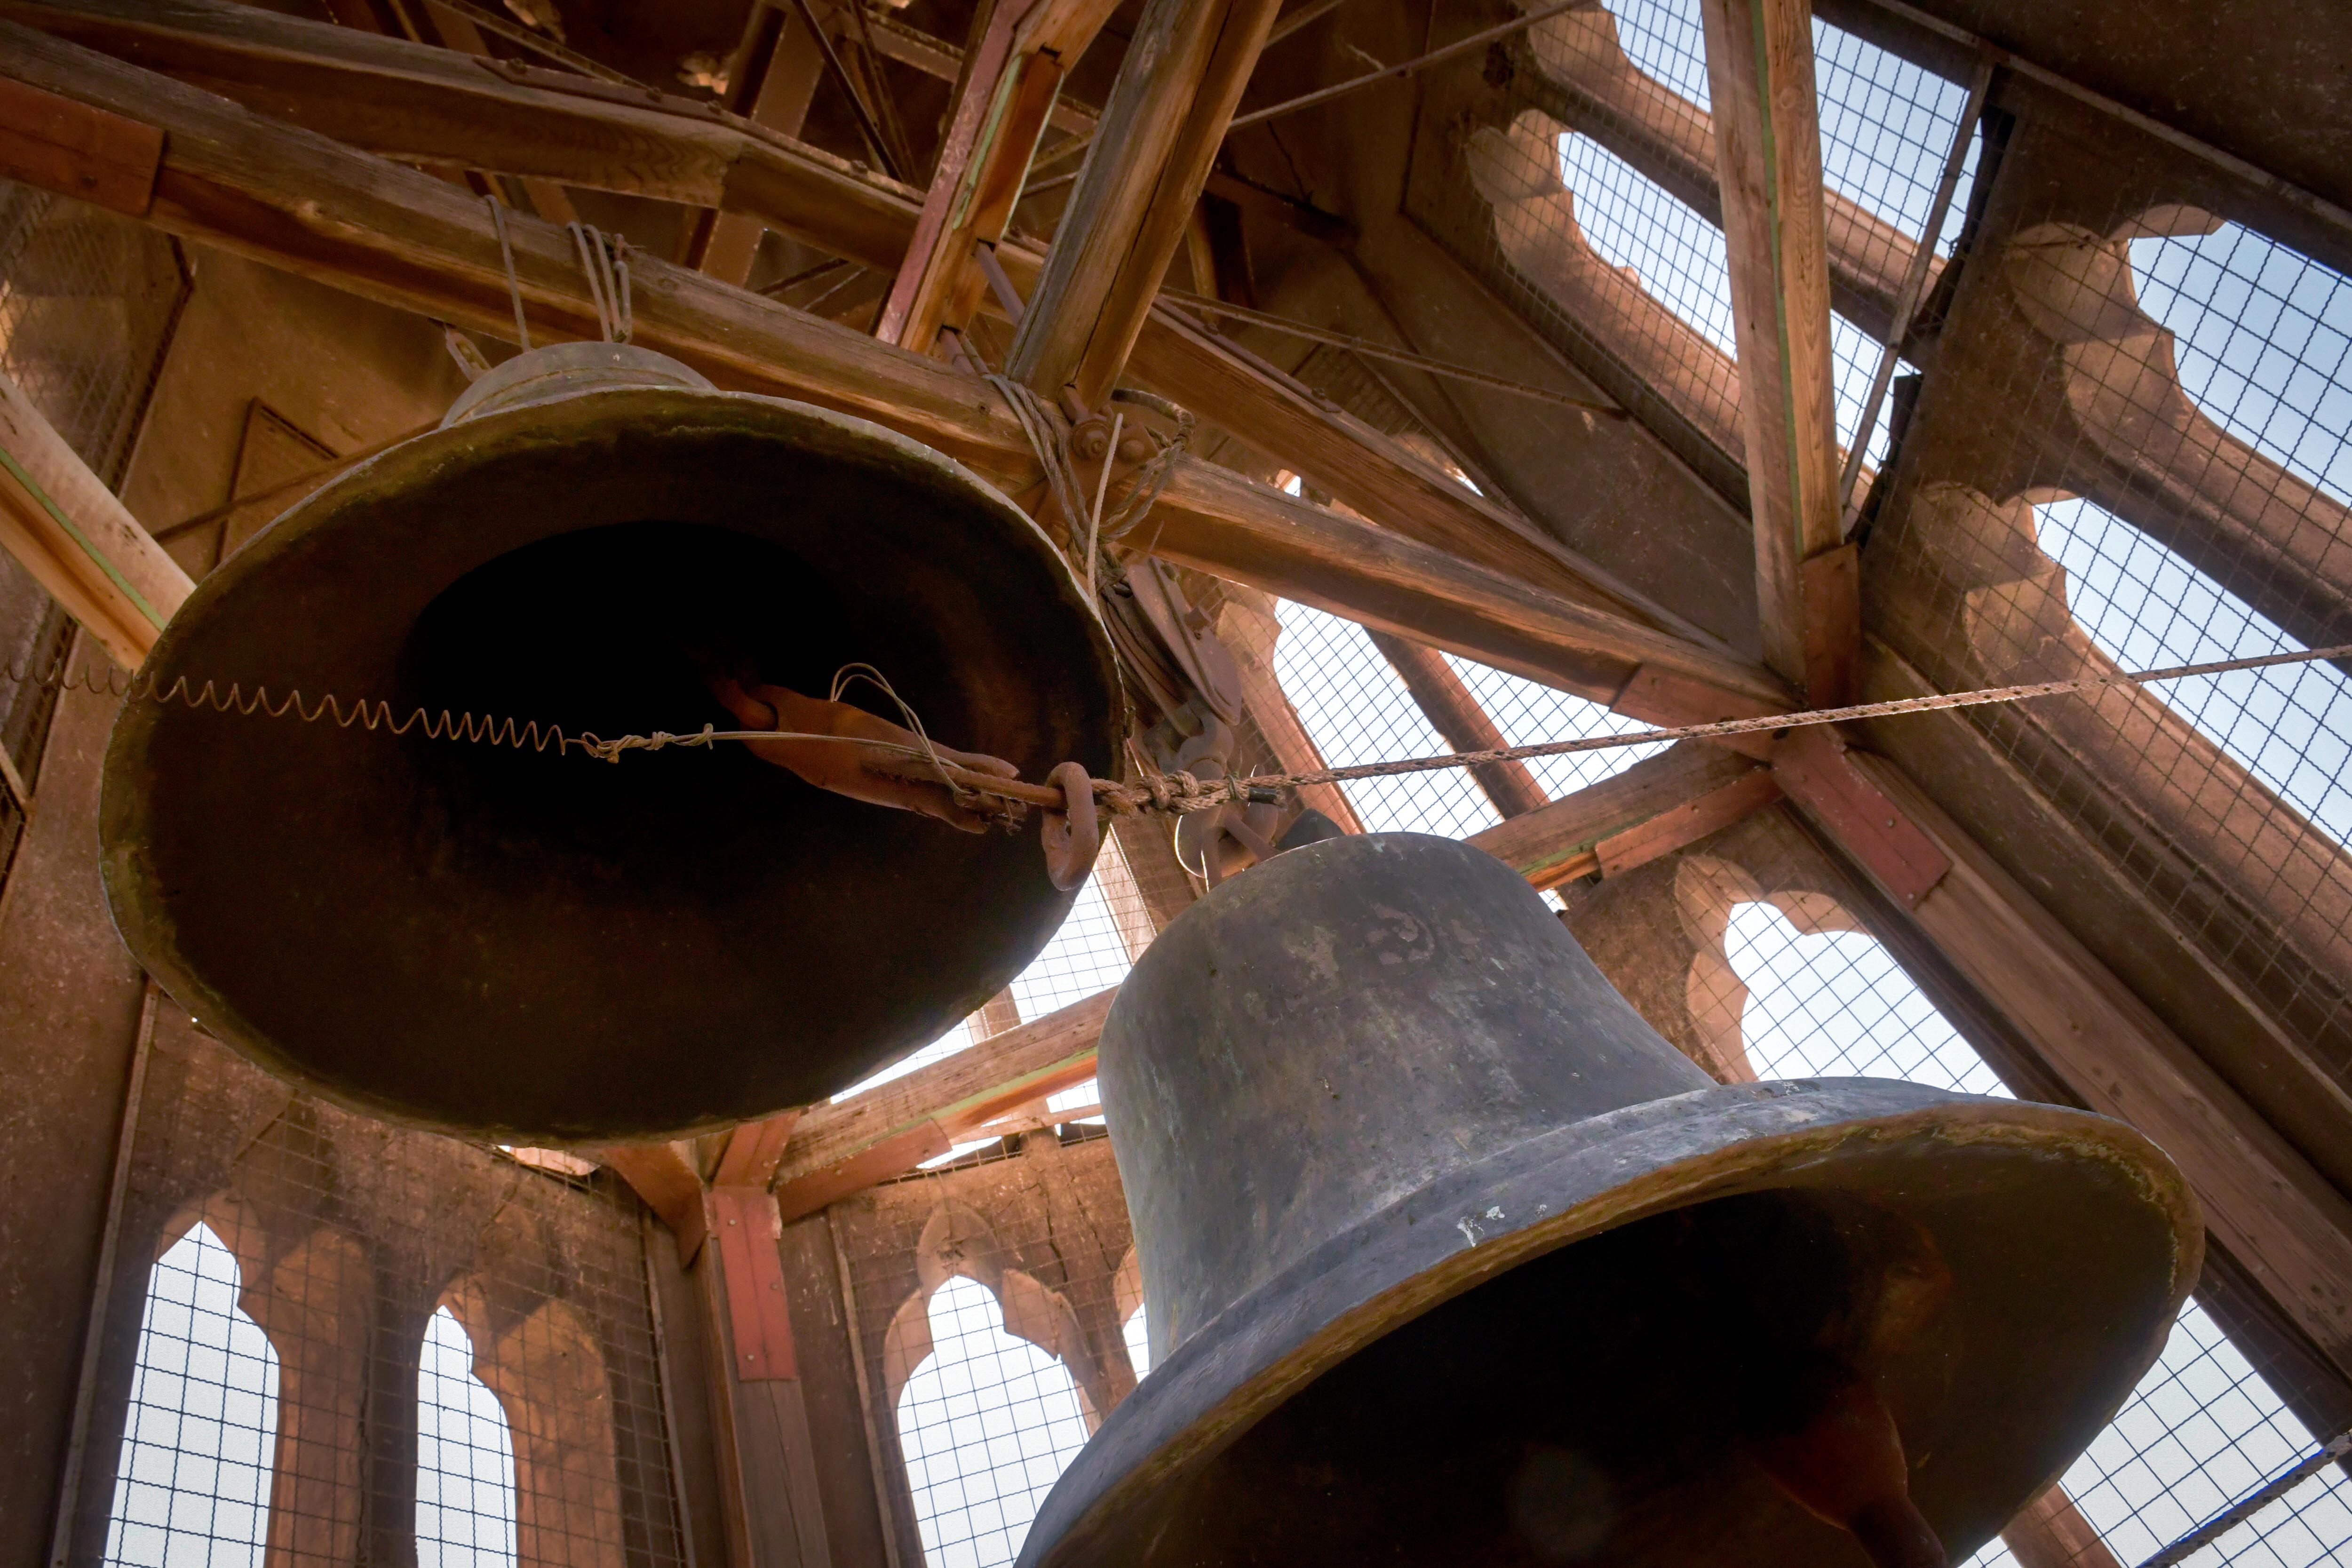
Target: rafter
point(1184, 72)
point(1768, 148)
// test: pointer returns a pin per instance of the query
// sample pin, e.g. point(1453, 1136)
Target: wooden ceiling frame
point(301, 203)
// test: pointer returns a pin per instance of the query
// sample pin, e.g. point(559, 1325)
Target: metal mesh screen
point(2135, 453)
point(87, 302)
point(997, 1302)
point(1358, 711)
point(2203, 1428)
point(1574, 170)
point(327, 1339)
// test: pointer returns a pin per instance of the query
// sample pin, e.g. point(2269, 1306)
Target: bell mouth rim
point(1234, 1370)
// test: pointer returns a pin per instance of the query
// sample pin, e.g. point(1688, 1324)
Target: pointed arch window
point(2203, 1427)
point(987, 1423)
point(465, 1458)
point(191, 1486)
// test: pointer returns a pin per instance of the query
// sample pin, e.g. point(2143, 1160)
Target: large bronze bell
point(1449, 1258)
point(542, 946)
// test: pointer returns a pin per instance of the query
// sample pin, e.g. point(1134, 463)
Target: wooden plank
point(2278, 1217)
point(1183, 73)
point(59, 145)
point(1002, 99)
point(2050, 1532)
point(1815, 768)
point(1455, 715)
point(743, 1224)
point(840, 1451)
point(1768, 147)
point(67, 528)
point(1688, 823)
point(1561, 841)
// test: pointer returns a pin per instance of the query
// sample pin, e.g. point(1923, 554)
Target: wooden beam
point(66, 528)
point(1651, 803)
point(1003, 98)
point(57, 144)
point(772, 81)
point(1221, 522)
point(893, 1129)
point(429, 105)
point(1768, 147)
point(461, 32)
point(293, 200)
point(2276, 1215)
point(1184, 72)
point(1456, 717)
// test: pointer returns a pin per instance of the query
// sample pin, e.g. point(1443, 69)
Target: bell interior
point(609, 631)
point(1597, 1404)
point(544, 947)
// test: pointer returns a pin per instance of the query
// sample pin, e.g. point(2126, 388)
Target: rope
point(1172, 793)
point(605, 259)
point(506, 258)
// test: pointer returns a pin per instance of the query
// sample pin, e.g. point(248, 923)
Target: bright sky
point(192, 1485)
point(988, 1423)
point(465, 1458)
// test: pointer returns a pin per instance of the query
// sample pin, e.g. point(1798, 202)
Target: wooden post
point(1185, 70)
point(1768, 148)
point(1006, 93)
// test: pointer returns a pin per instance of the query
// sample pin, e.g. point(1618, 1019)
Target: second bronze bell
point(545, 948)
point(1448, 1259)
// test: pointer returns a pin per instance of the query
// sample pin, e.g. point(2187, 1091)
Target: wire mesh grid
point(1357, 708)
point(331, 1339)
point(1575, 172)
point(2203, 1430)
point(997, 1300)
point(87, 301)
point(2139, 456)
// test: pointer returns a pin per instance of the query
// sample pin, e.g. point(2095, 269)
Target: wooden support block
point(1813, 766)
point(1831, 586)
point(745, 1227)
point(1673, 698)
point(753, 1150)
point(1561, 841)
point(666, 1178)
point(56, 145)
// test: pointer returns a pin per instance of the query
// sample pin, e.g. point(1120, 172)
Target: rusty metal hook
point(1073, 835)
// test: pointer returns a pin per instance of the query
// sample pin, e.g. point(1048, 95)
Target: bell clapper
point(811, 752)
point(1845, 1466)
